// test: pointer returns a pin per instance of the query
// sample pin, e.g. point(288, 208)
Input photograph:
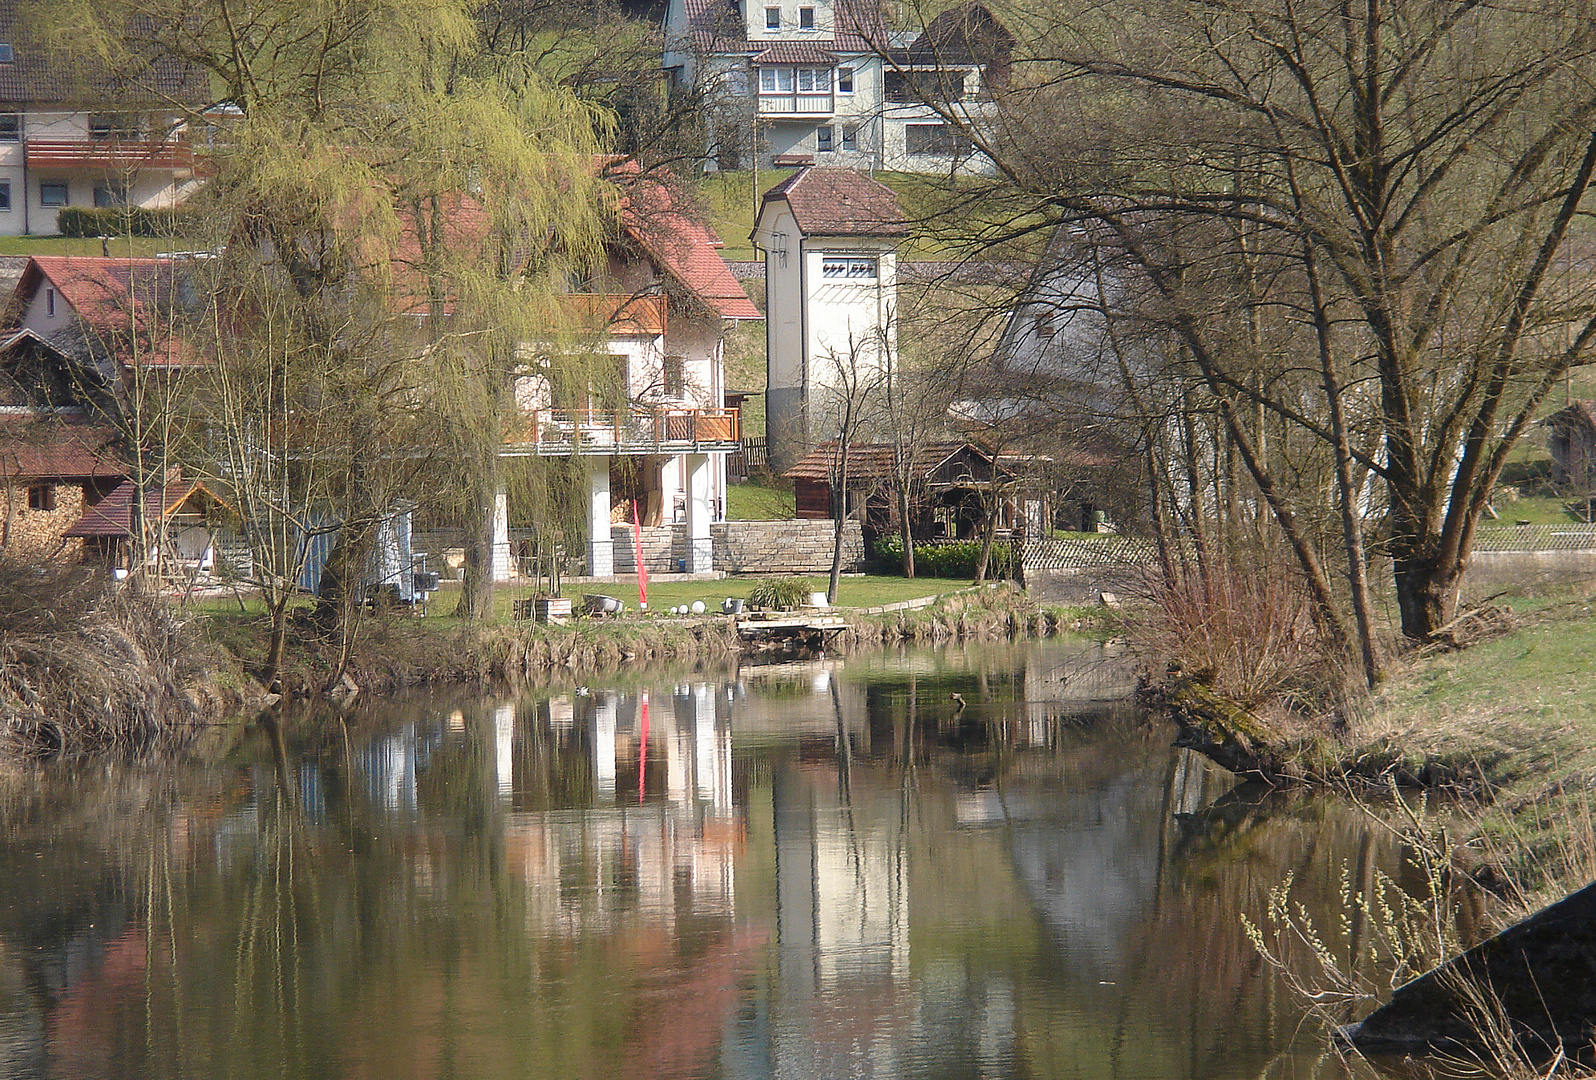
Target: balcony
point(795, 105)
point(109, 154)
point(564, 432)
point(621, 313)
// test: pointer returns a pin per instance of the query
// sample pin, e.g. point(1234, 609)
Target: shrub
point(948, 560)
point(780, 594)
point(83, 221)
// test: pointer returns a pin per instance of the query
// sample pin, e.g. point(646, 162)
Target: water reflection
point(945, 863)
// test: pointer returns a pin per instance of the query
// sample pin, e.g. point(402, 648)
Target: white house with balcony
point(655, 434)
point(68, 138)
point(824, 82)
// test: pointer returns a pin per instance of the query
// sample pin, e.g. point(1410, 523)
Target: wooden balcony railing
point(620, 312)
point(109, 154)
point(560, 432)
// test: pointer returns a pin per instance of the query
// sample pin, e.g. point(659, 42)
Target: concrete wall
point(1490, 571)
point(744, 547)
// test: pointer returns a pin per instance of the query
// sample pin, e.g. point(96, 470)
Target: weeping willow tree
point(398, 210)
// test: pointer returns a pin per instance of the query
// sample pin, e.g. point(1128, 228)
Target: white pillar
point(503, 565)
point(600, 548)
point(700, 548)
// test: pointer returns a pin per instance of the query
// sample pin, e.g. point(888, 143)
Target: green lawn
point(869, 590)
point(759, 500)
point(121, 246)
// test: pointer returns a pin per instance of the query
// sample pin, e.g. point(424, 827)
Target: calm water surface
point(832, 871)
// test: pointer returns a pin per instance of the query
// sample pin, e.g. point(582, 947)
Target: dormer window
point(806, 18)
point(773, 18)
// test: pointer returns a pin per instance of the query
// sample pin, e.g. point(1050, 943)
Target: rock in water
point(1540, 972)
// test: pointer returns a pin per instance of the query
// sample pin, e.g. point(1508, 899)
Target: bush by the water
point(780, 594)
point(85, 666)
point(83, 221)
point(948, 560)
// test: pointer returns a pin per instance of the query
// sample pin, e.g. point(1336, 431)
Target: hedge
point(119, 221)
point(948, 560)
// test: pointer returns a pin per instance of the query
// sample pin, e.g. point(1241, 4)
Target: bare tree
point(1352, 219)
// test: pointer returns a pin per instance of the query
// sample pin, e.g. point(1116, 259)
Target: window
point(823, 138)
point(775, 80)
point(41, 497)
point(814, 80)
point(850, 137)
point(115, 126)
point(806, 18)
point(845, 80)
point(8, 54)
point(674, 376)
point(110, 193)
point(53, 193)
point(49, 301)
point(10, 127)
point(773, 18)
point(913, 87)
point(933, 139)
point(5, 195)
point(848, 268)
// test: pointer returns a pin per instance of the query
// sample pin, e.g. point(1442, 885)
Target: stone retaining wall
point(791, 546)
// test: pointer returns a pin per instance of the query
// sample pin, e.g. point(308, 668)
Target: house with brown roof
point(54, 464)
point(824, 82)
point(951, 483)
point(73, 135)
point(830, 240)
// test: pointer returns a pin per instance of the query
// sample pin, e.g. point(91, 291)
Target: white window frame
point(806, 18)
point(772, 26)
point(825, 139)
point(850, 136)
point(855, 268)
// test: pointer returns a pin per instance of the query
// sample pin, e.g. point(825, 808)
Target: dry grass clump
point(1246, 630)
point(85, 667)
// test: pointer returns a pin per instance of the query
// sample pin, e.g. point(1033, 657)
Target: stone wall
point(791, 546)
point(37, 533)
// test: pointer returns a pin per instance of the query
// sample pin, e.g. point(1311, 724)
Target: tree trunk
point(476, 591)
point(1426, 592)
point(905, 528)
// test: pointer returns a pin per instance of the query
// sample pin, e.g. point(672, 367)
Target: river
point(833, 870)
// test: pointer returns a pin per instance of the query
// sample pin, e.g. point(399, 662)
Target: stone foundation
point(792, 546)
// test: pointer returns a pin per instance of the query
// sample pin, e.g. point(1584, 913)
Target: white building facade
point(830, 239)
point(68, 142)
point(824, 82)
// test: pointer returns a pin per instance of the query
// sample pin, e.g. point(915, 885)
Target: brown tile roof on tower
point(840, 202)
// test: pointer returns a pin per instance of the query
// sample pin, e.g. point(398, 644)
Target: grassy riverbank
point(397, 650)
point(1517, 715)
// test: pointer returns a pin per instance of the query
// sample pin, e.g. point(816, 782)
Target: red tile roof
point(113, 515)
point(796, 52)
point(126, 304)
point(36, 447)
point(683, 246)
point(717, 26)
point(828, 201)
point(873, 461)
